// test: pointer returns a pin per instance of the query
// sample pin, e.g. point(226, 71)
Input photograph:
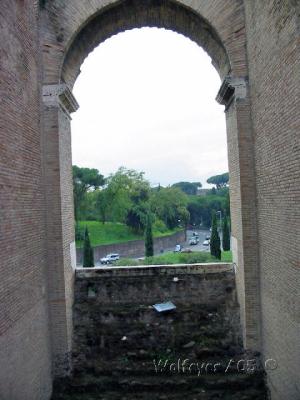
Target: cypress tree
point(88, 252)
point(215, 243)
point(149, 251)
point(226, 236)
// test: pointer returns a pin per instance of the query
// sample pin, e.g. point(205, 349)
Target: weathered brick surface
point(72, 29)
point(25, 356)
point(118, 334)
point(255, 41)
point(274, 65)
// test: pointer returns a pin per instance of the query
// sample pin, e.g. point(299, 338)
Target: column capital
point(231, 88)
point(60, 95)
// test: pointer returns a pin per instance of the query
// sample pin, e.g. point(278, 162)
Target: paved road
point(199, 247)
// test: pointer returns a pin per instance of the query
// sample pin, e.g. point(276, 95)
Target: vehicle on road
point(193, 241)
point(207, 237)
point(178, 248)
point(206, 242)
point(110, 258)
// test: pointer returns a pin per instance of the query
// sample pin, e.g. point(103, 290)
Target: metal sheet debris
point(162, 307)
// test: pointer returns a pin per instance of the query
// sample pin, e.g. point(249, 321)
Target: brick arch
point(75, 28)
point(130, 14)
point(70, 31)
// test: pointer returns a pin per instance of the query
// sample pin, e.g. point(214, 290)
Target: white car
point(110, 258)
point(193, 241)
point(178, 248)
point(206, 242)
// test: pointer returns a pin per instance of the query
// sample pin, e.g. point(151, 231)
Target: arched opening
point(147, 102)
point(73, 38)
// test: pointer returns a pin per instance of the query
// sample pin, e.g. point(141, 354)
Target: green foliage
point(128, 262)
point(225, 235)
point(79, 233)
point(189, 188)
point(169, 259)
point(111, 232)
point(219, 180)
point(215, 244)
point(84, 179)
point(226, 256)
point(123, 199)
point(149, 250)
point(202, 207)
point(169, 205)
point(88, 253)
point(159, 226)
point(135, 219)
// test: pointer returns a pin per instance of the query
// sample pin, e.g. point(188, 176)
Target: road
point(189, 234)
point(198, 247)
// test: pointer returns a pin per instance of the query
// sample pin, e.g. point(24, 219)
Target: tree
point(149, 251)
point(126, 189)
point(88, 252)
point(225, 235)
point(201, 208)
point(219, 180)
point(215, 244)
point(84, 179)
point(136, 218)
point(103, 200)
point(189, 188)
point(169, 205)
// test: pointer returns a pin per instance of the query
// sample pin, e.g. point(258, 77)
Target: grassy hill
point(112, 232)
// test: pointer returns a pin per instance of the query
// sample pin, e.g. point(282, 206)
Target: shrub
point(149, 251)
point(215, 244)
point(88, 252)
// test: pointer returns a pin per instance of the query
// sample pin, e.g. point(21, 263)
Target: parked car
point(207, 237)
point(206, 242)
point(178, 248)
point(110, 258)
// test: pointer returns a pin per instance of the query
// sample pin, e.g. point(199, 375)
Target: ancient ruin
point(254, 46)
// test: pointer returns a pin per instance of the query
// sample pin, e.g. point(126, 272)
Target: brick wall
point(25, 356)
point(264, 167)
point(101, 296)
point(273, 52)
point(70, 32)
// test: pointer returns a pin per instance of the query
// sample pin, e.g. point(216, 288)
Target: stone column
point(59, 103)
point(234, 95)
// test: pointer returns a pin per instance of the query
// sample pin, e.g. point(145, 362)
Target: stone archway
point(70, 30)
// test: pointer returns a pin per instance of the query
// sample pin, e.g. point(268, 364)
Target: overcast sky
point(147, 101)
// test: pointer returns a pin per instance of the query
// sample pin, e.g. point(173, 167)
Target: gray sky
point(147, 101)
